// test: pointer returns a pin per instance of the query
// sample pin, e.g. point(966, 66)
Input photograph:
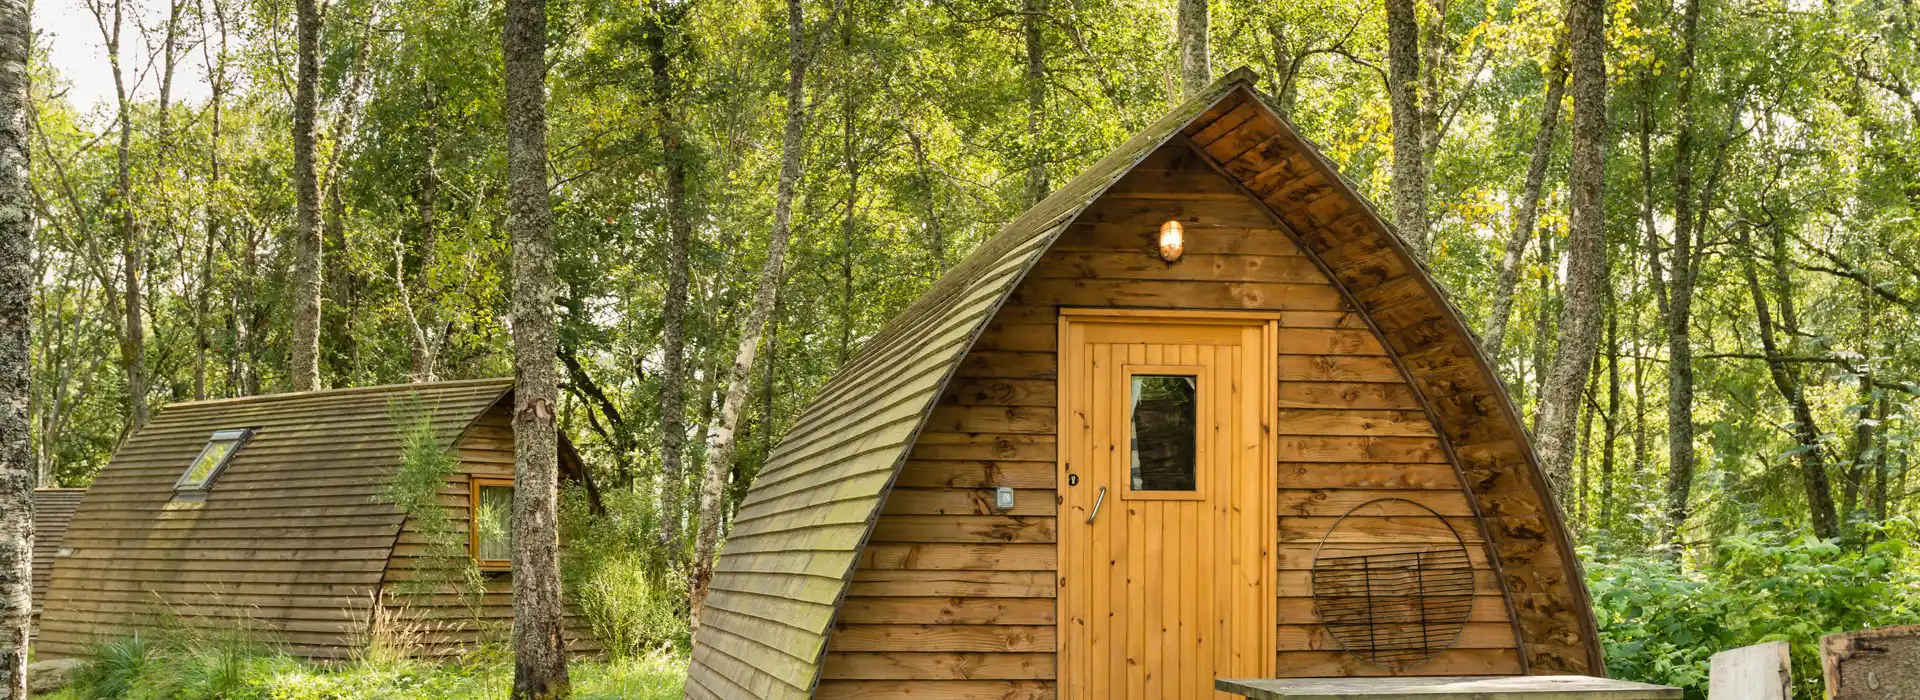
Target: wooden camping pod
point(297, 542)
point(871, 557)
point(52, 511)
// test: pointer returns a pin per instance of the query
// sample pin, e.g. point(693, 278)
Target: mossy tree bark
point(304, 350)
point(1585, 293)
point(1196, 70)
point(1409, 152)
point(1494, 333)
point(18, 473)
point(540, 662)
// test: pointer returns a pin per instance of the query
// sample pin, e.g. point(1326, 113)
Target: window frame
point(238, 436)
point(1203, 420)
point(474, 485)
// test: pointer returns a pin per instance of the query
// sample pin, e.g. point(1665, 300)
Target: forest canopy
point(1758, 363)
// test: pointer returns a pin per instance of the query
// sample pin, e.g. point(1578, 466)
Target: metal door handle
point(1102, 498)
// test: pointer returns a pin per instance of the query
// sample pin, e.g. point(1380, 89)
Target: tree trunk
point(1679, 291)
point(1612, 428)
point(125, 303)
point(1284, 58)
point(17, 470)
point(1811, 456)
point(1585, 293)
point(304, 350)
point(424, 349)
point(673, 400)
point(850, 161)
point(1409, 155)
point(540, 661)
point(1031, 13)
point(1195, 71)
point(722, 441)
point(1528, 213)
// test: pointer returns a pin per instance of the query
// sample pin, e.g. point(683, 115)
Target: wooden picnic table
point(1446, 688)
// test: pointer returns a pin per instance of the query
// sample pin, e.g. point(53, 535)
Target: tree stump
point(1875, 663)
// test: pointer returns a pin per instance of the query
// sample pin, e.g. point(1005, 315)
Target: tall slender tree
point(304, 350)
point(1032, 14)
point(723, 439)
point(1585, 292)
point(1196, 70)
point(17, 469)
point(1495, 330)
point(125, 304)
point(661, 21)
point(540, 662)
point(1409, 151)
point(1676, 292)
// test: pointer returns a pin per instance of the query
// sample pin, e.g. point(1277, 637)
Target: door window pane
point(1165, 426)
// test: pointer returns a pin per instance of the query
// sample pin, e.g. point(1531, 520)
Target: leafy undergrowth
point(1660, 623)
point(149, 668)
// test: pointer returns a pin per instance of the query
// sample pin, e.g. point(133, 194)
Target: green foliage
point(146, 668)
point(1661, 623)
point(634, 601)
point(426, 463)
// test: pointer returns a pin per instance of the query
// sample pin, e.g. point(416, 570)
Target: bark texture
point(1678, 291)
point(1528, 214)
point(1409, 153)
point(1032, 12)
point(1811, 455)
point(540, 662)
point(18, 472)
point(304, 369)
point(723, 439)
point(1585, 292)
point(1195, 70)
point(673, 308)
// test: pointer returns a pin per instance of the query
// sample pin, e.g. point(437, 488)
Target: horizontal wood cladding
point(954, 398)
point(1266, 157)
point(291, 542)
point(52, 512)
point(957, 595)
point(421, 618)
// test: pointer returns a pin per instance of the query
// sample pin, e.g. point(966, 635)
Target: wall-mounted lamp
point(1173, 241)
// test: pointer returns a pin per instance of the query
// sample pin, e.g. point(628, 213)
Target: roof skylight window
point(212, 460)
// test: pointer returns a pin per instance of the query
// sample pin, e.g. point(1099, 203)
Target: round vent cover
point(1394, 604)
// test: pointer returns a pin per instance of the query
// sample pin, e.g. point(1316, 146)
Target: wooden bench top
point(1446, 688)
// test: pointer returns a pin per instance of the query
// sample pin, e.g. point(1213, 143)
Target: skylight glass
point(212, 460)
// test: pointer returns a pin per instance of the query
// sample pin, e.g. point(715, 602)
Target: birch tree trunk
point(1409, 155)
point(1528, 213)
point(723, 439)
point(1195, 70)
point(17, 469)
point(1585, 292)
point(673, 400)
point(1679, 292)
point(1031, 12)
point(304, 352)
point(540, 661)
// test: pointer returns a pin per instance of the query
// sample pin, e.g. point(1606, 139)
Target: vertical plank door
point(1166, 503)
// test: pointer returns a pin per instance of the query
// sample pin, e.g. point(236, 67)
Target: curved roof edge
point(798, 534)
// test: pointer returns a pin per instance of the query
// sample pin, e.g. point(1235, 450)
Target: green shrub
point(1660, 623)
point(634, 602)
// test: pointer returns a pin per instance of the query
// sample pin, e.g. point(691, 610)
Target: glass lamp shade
point(1173, 241)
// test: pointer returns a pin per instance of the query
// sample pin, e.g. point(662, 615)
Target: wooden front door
point(1167, 502)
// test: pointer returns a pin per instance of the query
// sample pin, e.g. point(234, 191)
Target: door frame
point(1267, 510)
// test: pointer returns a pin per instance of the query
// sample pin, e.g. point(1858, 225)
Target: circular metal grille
point(1393, 605)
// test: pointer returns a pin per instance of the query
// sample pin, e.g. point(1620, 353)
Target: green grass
point(146, 670)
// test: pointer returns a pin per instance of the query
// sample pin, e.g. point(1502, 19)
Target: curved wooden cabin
point(295, 539)
point(1280, 455)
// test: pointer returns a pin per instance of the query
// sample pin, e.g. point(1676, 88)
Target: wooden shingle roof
point(803, 524)
point(291, 540)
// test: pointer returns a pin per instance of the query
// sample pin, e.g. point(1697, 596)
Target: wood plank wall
point(953, 599)
point(52, 511)
point(439, 623)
